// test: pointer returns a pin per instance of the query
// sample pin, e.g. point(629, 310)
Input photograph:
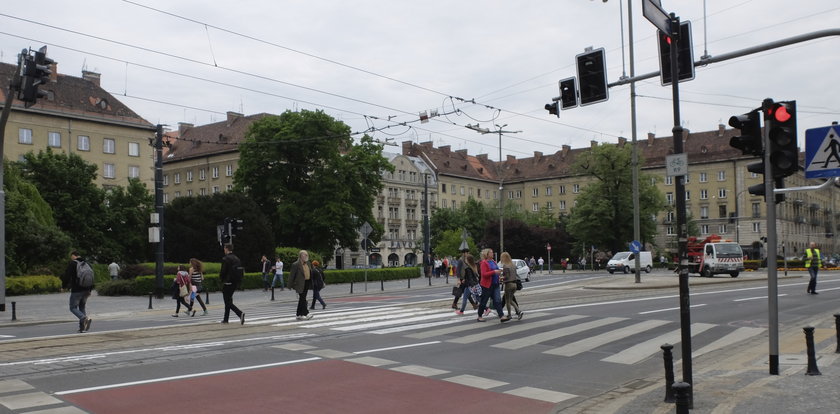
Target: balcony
point(411, 202)
point(814, 207)
point(380, 199)
point(411, 223)
point(394, 201)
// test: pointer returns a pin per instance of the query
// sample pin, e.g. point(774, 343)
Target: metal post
point(682, 389)
point(4, 118)
point(150, 299)
point(501, 198)
point(812, 357)
point(158, 145)
point(382, 284)
point(635, 148)
point(837, 329)
point(351, 286)
point(426, 236)
point(668, 359)
point(206, 297)
point(772, 271)
point(14, 311)
point(272, 293)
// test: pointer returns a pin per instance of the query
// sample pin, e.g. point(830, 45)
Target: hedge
point(22, 285)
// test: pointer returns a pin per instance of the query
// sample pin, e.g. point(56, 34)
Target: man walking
point(231, 275)
point(78, 293)
point(114, 270)
point(278, 274)
point(813, 261)
point(300, 279)
point(541, 262)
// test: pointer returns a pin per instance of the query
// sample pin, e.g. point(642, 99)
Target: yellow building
point(80, 117)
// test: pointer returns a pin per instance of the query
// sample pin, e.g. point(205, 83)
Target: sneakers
point(87, 324)
point(193, 313)
point(308, 317)
point(324, 306)
point(520, 315)
point(505, 319)
point(242, 318)
point(458, 312)
point(480, 320)
point(187, 312)
point(204, 313)
point(174, 315)
point(486, 312)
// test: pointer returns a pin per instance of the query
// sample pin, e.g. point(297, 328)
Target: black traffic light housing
point(568, 93)
point(35, 71)
point(552, 108)
point(685, 55)
point(780, 121)
point(750, 141)
point(592, 73)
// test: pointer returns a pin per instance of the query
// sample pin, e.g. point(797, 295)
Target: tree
point(32, 237)
point(128, 211)
point(66, 182)
point(308, 177)
point(450, 241)
point(604, 213)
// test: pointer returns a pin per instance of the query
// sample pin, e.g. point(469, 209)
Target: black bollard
point(409, 283)
point(206, 297)
point(837, 328)
point(351, 286)
point(14, 311)
point(668, 358)
point(812, 356)
point(382, 284)
point(272, 293)
point(150, 299)
point(683, 396)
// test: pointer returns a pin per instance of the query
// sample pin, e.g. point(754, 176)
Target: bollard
point(812, 357)
point(351, 286)
point(14, 311)
point(272, 293)
point(409, 283)
point(206, 297)
point(668, 358)
point(837, 328)
point(430, 280)
point(382, 284)
point(150, 299)
point(683, 392)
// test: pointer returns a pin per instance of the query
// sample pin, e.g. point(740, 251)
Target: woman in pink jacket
point(489, 282)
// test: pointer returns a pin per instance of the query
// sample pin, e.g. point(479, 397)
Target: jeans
point(78, 300)
point(302, 310)
point(227, 296)
point(497, 300)
point(265, 280)
point(812, 284)
point(279, 276)
point(316, 295)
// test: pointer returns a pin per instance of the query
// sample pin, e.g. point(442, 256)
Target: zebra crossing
point(537, 328)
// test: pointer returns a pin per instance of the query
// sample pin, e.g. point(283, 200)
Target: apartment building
point(79, 117)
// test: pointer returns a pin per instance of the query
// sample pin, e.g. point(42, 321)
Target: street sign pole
point(548, 247)
point(772, 272)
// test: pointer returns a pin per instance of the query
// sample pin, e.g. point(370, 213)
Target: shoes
point(454, 306)
point(480, 320)
point(312, 307)
point(87, 324)
point(174, 315)
point(814, 293)
point(193, 313)
point(224, 322)
point(324, 306)
point(242, 318)
point(520, 315)
point(300, 318)
point(458, 312)
point(487, 312)
point(186, 312)
point(505, 319)
point(204, 313)
point(308, 317)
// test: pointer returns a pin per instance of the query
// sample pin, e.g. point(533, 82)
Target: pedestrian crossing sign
point(822, 152)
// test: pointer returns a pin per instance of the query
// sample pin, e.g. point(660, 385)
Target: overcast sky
point(192, 61)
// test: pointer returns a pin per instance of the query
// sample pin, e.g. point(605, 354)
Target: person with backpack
point(231, 275)
point(78, 277)
point(181, 290)
point(300, 279)
point(318, 283)
point(469, 280)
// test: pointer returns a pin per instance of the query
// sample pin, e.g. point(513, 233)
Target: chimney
point(482, 158)
point(231, 116)
point(721, 129)
point(427, 144)
point(461, 152)
point(566, 149)
point(622, 141)
point(183, 127)
point(511, 159)
point(446, 149)
point(406, 147)
point(54, 72)
point(593, 144)
point(537, 156)
point(89, 76)
point(651, 138)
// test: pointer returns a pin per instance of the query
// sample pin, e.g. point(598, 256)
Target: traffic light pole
point(158, 145)
point(772, 243)
point(682, 232)
point(4, 118)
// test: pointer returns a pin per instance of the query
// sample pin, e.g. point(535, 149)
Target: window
point(669, 216)
point(518, 193)
point(704, 178)
point(535, 192)
point(548, 191)
point(25, 136)
point(165, 198)
point(202, 191)
point(704, 194)
point(109, 146)
point(202, 174)
point(133, 171)
point(452, 189)
point(166, 179)
point(753, 175)
point(229, 187)
point(54, 139)
point(721, 175)
point(562, 189)
point(443, 202)
point(574, 203)
point(189, 176)
point(704, 229)
point(215, 189)
point(108, 170)
point(443, 188)
point(722, 228)
point(687, 195)
point(686, 177)
point(722, 211)
point(757, 227)
point(510, 195)
point(462, 190)
point(478, 191)
point(216, 172)
point(535, 207)
point(133, 149)
point(575, 188)
point(471, 191)
point(549, 206)
point(562, 204)
point(83, 143)
point(669, 197)
point(669, 180)
point(229, 170)
point(670, 230)
point(189, 193)
point(756, 210)
point(177, 194)
point(704, 212)
point(722, 193)
point(177, 178)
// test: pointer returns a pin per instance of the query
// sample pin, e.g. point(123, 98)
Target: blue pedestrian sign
point(822, 152)
point(635, 246)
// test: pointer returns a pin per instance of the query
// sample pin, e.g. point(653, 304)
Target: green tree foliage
point(316, 186)
point(604, 213)
point(526, 240)
point(472, 216)
point(127, 222)
point(65, 181)
point(32, 237)
point(448, 243)
point(190, 229)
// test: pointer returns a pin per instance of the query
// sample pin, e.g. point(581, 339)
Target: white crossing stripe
point(419, 370)
point(643, 350)
point(415, 327)
point(476, 382)
point(541, 394)
point(397, 320)
point(590, 343)
point(733, 337)
point(322, 316)
point(511, 329)
point(556, 333)
point(470, 325)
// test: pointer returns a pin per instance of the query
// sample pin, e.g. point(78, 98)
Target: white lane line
point(593, 342)
point(756, 297)
point(733, 337)
point(520, 343)
point(640, 351)
point(395, 347)
point(670, 309)
point(179, 377)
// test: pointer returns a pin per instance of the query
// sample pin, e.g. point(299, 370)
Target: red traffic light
point(780, 113)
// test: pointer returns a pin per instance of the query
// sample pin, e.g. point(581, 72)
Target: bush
point(22, 285)
point(134, 270)
point(751, 264)
point(119, 287)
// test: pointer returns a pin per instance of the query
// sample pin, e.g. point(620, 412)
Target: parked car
point(522, 270)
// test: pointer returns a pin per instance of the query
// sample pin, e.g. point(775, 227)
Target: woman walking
point(469, 280)
point(197, 280)
point(511, 281)
point(317, 284)
point(182, 288)
point(490, 274)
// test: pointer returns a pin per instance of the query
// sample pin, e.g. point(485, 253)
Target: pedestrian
point(438, 266)
point(511, 282)
point(231, 275)
point(300, 279)
point(181, 290)
point(813, 262)
point(114, 270)
point(318, 283)
point(468, 279)
point(541, 262)
point(489, 281)
point(265, 269)
point(563, 264)
point(78, 277)
point(278, 274)
point(532, 264)
point(197, 280)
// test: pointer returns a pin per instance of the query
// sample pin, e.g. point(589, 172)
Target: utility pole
point(426, 241)
point(158, 146)
point(14, 85)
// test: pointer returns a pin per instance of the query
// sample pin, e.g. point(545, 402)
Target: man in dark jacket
point(78, 294)
point(300, 280)
point(231, 276)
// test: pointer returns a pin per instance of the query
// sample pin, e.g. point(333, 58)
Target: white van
point(626, 261)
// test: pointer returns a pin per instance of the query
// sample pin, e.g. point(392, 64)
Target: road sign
point(548, 247)
point(374, 250)
point(366, 229)
point(676, 164)
point(635, 246)
point(653, 11)
point(822, 152)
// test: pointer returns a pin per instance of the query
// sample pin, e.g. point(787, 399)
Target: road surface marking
point(541, 394)
point(733, 337)
point(470, 325)
point(593, 342)
point(556, 333)
point(397, 320)
point(476, 382)
point(419, 370)
point(640, 351)
point(395, 347)
point(756, 297)
point(28, 400)
point(671, 309)
point(414, 327)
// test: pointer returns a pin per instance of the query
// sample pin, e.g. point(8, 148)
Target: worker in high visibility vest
point(813, 261)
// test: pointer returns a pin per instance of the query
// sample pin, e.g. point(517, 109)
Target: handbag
point(183, 291)
point(518, 284)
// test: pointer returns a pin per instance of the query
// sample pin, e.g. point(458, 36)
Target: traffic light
point(568, 93)
point(758, 189)
point(552, 109)
point(780, 121)
point(750, 141)
point(685, 55)
point(35, 71)
point(592, 72)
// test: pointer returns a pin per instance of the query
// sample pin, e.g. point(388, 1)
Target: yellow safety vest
point(809, 254)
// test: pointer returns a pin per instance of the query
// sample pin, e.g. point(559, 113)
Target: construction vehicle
point(714, 255)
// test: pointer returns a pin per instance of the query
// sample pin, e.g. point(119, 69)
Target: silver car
point(522, 270)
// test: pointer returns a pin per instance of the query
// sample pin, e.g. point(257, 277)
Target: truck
point(714, 255)
point(626, 261)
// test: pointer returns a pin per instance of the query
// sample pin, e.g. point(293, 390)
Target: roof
point(76, 97)
point(216, 138)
